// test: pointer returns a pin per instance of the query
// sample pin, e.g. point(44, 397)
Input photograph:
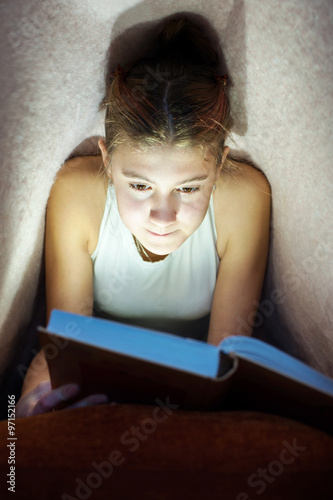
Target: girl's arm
point(69, 221)
point(68, 265)
point(244, 205)
point(69, 272)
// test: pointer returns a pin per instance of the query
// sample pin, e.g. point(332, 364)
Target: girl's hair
point(174, 97)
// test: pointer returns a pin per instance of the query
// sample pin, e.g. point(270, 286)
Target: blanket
point(54, 54)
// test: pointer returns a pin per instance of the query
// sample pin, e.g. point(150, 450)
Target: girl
point(171, 234)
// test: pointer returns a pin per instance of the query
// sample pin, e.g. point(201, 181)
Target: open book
point(136, 365)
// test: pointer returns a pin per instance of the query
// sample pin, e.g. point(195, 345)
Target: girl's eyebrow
point(133, 175)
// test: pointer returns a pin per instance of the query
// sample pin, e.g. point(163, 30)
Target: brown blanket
point(163, 453)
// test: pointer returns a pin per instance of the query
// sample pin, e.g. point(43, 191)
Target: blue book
point(137, 365)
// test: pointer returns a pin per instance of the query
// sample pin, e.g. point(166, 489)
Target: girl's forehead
point(167, 153)
point(163, 165)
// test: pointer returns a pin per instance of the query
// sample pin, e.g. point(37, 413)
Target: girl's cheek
point(135, 206)
point(131, 210)
point(196, 209)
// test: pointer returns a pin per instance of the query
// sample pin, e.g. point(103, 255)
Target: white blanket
point(280, 59)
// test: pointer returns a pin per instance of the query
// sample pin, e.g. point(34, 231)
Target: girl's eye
point(139, 187)
point(189, 190)
point(144, 187)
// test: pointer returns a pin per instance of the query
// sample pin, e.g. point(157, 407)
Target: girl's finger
point(26, 404)
point(53, 398)
point(94, 399)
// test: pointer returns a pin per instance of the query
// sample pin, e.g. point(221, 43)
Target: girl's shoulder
point(241, 197)
point(243, 179)
point(81, 188)
point(81, 170)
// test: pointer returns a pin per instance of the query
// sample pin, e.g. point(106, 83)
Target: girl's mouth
point(159, 234)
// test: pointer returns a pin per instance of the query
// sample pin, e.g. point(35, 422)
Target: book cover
point(136, 365)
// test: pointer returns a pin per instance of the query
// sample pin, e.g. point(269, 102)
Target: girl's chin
point(161, 244)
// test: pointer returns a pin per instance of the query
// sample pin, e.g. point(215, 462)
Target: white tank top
point(173, 294)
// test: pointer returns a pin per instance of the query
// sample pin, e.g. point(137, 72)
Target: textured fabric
point(178, 288)
point(162, 452)
point(279, 56)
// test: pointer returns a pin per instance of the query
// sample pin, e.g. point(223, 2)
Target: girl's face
point(163, 195)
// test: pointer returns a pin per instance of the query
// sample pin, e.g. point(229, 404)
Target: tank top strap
point(108, 213)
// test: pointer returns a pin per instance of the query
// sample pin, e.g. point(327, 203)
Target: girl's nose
point(164, 210)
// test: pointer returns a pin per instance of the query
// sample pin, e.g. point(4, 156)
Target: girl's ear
point(102, 147)
point(105, 156)
point(225, 154)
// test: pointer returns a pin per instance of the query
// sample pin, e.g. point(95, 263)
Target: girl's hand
point(43, 399)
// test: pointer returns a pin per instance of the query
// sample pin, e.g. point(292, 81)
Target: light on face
point(162, 192)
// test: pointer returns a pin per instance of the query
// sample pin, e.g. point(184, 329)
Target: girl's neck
point(146, 255)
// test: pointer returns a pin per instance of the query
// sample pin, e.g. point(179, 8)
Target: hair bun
point(182, 39)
